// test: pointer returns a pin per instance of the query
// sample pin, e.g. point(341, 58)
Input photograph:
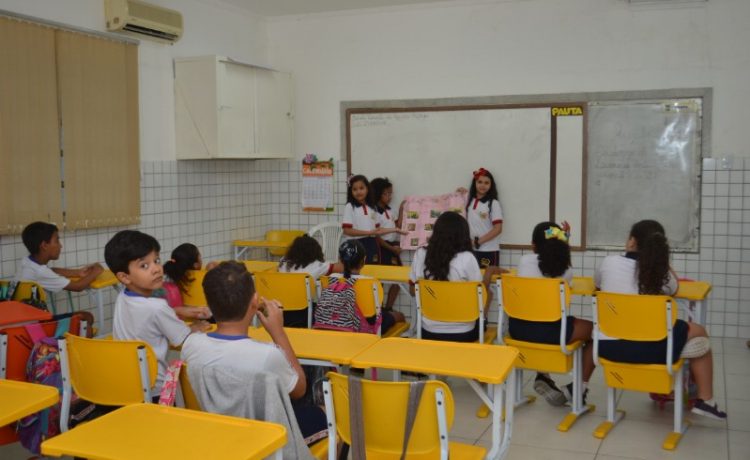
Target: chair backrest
point(281, 236)
point(384, 408)
point(109, 372)
point(24, 291)
point(450, 301)
point(293, 290)
point(328, 234)
point(188, 395)
point(634, 317)
point(193, 295)
point(533, 299)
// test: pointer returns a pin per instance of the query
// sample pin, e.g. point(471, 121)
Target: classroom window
point(69, 144)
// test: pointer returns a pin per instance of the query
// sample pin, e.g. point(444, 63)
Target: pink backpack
point(173, 296)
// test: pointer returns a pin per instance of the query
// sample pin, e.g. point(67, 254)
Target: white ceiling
point(271, 8)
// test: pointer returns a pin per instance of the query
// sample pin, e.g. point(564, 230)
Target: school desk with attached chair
point(398, 275)
point(480, 364)
point(276, 241)
point(151, 431)
point(19, 399)
point(317, 347)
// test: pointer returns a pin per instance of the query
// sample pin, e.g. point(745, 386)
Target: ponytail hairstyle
point(184, 258)
point(378, 186)
point(450, 235)
point(350, 197)
point(352, 256)
point(653, 256)
point(303, 251)
point(491, 193)
point(551, 246)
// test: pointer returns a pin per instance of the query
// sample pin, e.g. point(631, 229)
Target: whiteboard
point(431, 152)
point(644, 163)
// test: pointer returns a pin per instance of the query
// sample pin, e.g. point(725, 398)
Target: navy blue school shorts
point(487, 259)
point(540, 331)
point(627, 351)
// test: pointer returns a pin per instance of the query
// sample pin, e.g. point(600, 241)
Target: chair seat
point(319, 450)
point(542, 356)
point(458, 451)
point(651, 378)
point(397, 330)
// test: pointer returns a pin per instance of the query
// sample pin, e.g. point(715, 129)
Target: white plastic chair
point(328, 234)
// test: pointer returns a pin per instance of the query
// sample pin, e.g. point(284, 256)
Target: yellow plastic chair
point(638, 318)
point(384, 412)
point(542, 299)
point(193, 296)
point(106, 372)
point(368, 295)
point(453, 301)
point(293, 290)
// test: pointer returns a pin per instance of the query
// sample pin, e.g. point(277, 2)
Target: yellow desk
point(150, 431)
point(320, 347)
point(696, 293)
point(260, 265)
point(96, 290)
point(394, 274)
point(242, 246)
point(486, 364)
point(19, 399)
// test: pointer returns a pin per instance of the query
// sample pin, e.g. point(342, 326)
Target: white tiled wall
point(211, 203)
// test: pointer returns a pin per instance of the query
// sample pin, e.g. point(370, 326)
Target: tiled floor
point(638, 436)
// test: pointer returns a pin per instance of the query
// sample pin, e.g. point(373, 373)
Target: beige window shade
point(98, 87)
point(29, 134)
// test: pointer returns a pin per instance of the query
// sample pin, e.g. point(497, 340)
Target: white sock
point(710, 402)
point(585, 386)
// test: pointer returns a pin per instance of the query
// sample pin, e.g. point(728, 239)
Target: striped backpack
point(337, 309)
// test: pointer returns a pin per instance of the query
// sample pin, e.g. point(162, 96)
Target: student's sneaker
point(568, 392)
point(547, 389)
point(702, 408)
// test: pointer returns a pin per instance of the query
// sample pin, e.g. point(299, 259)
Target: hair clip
point(554, 232)
point(349, 180)
point(480, 172)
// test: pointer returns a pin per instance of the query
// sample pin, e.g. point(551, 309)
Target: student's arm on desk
point(86, 276)
point(272, 320)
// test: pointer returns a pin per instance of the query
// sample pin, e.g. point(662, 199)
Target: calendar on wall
point(317, 186)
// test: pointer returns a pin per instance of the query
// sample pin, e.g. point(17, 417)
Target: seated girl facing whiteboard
point(447, 257)
point(644, 269)
point(551, 259)
point(305, 256)
point(184, 258)
point(361, 221)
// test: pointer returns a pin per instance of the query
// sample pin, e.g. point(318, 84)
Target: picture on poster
point(420, 213)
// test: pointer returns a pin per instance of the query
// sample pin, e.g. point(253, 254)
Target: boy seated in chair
point(231, 296)
point(43, 242)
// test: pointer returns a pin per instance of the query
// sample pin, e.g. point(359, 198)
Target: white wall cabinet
point(228, 109)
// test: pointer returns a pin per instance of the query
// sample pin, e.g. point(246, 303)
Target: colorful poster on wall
point(317, 186)
point(420, 213)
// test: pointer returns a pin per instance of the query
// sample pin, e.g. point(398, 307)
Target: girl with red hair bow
point(485, 217)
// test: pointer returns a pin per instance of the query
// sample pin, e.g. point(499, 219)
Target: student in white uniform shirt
point(134, 259)
point(305, 256)
point(43, 242)
point(390, 248)
point(551, 259)
point(447, 257)
point(644, 269)
point(360, 218)
point(485, 218)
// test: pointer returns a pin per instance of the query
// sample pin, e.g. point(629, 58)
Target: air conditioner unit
point(143, 19)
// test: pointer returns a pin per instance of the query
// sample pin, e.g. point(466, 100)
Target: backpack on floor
point(43, 367)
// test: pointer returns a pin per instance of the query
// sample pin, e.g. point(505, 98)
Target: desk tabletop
point(485, 363)
point(15, 313)
point(693, 290)
point(104, 280)
point(260, 265)
point(19, 399)
point(335, 346)
point(395, 273)
point(262, 244)
point(150, 431)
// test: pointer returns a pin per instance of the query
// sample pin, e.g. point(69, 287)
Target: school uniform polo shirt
point(359, 218)
point(31, 270)
point(316, 268)
point(482, 216)
point(528, 267)
point(388, 220)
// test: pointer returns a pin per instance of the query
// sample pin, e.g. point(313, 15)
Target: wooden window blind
point(98, 85)
point(29, 126)
point(69, 141)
